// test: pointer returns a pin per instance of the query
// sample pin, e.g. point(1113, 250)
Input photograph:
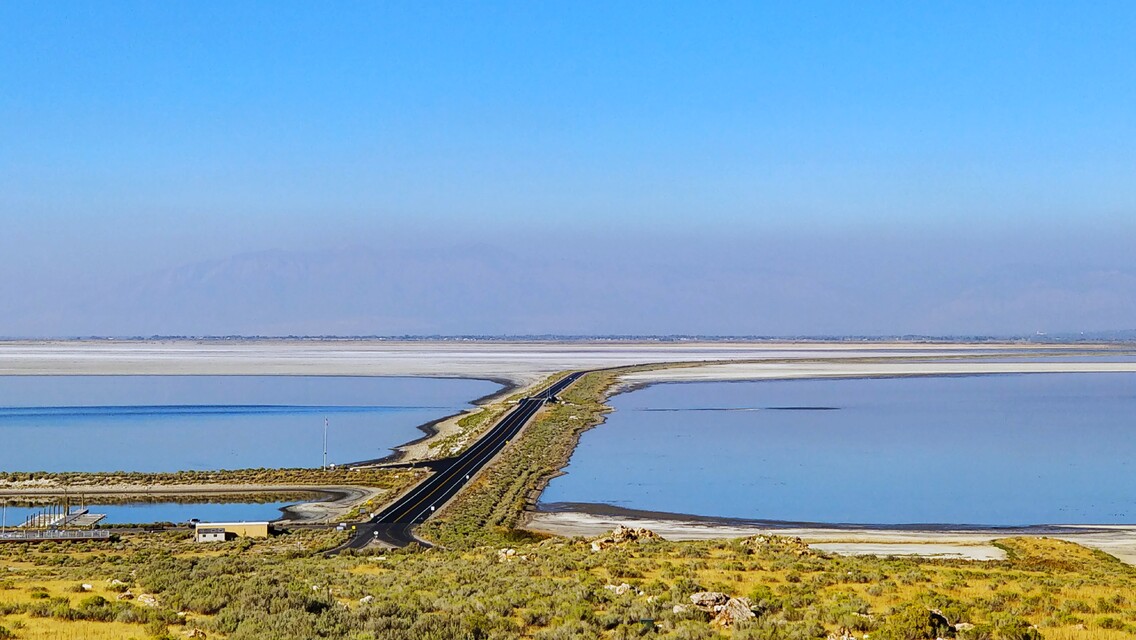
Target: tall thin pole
point(325, 442)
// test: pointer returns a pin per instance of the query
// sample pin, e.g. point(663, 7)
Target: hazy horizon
point(599, 168)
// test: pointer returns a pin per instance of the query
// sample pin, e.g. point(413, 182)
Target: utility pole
point(325, 442)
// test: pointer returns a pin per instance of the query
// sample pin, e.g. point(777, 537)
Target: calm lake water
point(143, 513)
point(170, 423)
point(980, 450)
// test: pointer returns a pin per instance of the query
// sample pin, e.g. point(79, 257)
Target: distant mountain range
point(348, 291)
point(552, 290)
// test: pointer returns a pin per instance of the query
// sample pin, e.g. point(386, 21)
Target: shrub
point(914, 622)
point(1013, 628)
point(978, 632)
point(1108, 622)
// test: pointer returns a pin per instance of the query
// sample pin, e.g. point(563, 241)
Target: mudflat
point(518, 362)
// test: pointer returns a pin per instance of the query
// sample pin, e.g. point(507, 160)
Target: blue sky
point(140, 137)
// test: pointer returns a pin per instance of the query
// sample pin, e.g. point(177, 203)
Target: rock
point(195, 633)
point(126, 595)
point(727, 611)
point(86, 587)
point(679, 609)
point(627, 534)
point(963, 626)
point(708, 601)
point(938, 620)
point(621, 535)
point(781, 544)
point(505, 555)
point(116, 582)
point(366, 599)
point(735, 610)
point(620, 589)
point(147, 600)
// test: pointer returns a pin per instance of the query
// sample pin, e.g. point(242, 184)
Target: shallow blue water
point(981, 450)
point(169, 423)
point(144, 513)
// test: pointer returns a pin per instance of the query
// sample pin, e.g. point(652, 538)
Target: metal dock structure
point(55, 522)
point(46, 535)
point(58, 519)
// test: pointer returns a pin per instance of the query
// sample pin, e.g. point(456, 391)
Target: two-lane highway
point(393, 525)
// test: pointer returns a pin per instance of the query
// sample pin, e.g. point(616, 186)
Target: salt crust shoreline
point(1119, 541)
point(743, 371)
point(520, 362)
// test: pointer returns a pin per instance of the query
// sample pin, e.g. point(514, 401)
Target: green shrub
point(1108, 622)
point(1007, 627)
point(914, 622)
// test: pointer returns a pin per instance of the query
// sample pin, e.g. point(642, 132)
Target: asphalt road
point(394, 524)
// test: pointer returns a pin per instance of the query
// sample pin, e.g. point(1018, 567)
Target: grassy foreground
point(491, 580)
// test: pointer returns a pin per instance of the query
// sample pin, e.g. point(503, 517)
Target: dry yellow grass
point(50, 629)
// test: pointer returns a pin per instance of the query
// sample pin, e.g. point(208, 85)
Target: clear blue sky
point(136, 136)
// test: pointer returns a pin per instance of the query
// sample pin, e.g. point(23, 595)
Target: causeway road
point(393, 525)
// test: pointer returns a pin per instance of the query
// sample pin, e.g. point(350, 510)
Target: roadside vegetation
point(469, 429)
point(472, 425)
point(489, 578)
point(491, 509)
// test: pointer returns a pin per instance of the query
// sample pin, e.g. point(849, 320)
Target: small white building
point(222, 531)
point(210, 534)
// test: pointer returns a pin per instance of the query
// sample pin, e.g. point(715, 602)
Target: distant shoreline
point(726, 522)
point(947, 541)
point(517, 362)
point(436, 427)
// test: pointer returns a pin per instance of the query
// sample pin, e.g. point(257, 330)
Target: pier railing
point(41, 535)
